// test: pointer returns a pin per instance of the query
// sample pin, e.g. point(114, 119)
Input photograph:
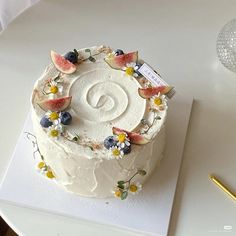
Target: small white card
point(151, 75)
point(154, 78)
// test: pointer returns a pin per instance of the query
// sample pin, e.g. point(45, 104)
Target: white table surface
point(176, 37)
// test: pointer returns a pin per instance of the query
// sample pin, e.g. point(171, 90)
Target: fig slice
point(57, 104)
point(63, 65)
point(117, 62)
point(135, 138)
point(149, 92)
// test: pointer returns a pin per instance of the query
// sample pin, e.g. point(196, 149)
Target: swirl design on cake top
point(102, 96)
point(100, 101)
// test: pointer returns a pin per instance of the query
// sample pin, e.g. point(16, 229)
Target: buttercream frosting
point(102, 98)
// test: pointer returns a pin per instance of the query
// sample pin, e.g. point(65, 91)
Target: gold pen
point(223, 187)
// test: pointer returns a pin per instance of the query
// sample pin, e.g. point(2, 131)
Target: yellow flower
point(49, 174)
point(54, 89)
point(116, 152)
point(121, 137)
point(123, 140)
point(158, 102)
point(54, 133)
point(54, 116)
point(129, 71)
point(41, 165)
point(134, 188)
point(117, 193)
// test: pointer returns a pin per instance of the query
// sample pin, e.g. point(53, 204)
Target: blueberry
point(138, 65)
point(109, 142)
point(45, 122)
point(72, 57)
point(119, 52)
point(126, 149)
point(66, 118)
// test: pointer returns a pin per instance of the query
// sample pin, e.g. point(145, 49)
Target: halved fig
point(149, 92)
point(135, 138)
point(57, 104)
point(117, 62)
point(63, 65)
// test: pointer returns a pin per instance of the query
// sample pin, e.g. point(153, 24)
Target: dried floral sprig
point(70, 138)
point(124, 187)
point(91, 56)
point(33, 140)
point(77, 139)
point(41, 165)
point(146, 123)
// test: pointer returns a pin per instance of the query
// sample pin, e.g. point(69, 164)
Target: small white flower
point(117, 192)
point(135, 187)
point(54, 117)
point(55, 131)
point(158, 102)
point(116, 152)
point(130, 69)
point(55, 87)
point(123, 140)
point(131, 64)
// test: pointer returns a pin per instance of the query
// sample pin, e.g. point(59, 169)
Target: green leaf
point(124, 195)
point(144, 121)
point(121, 186)
point(142, 172)
point(92, 59)
point(76, 52)
point(56, 79)
point(87, 50)
point(75, 139)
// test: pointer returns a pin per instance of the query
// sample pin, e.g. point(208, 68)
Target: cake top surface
point(91, 94)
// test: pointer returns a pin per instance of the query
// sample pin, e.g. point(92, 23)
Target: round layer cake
point(99, 123)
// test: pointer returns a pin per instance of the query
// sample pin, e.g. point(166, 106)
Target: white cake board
point(148, 212)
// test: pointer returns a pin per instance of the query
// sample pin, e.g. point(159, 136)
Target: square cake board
point(147, 212)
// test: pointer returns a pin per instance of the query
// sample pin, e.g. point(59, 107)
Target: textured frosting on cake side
point(102, 98)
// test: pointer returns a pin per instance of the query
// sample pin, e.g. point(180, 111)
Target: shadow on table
point(182, 175)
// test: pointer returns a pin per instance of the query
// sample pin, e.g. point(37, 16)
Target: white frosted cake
point(99, 123)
